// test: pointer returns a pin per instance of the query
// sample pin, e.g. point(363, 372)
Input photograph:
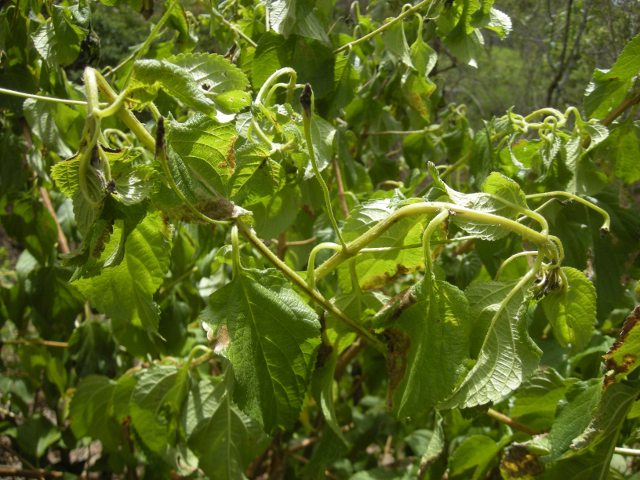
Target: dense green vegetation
point(310, 239)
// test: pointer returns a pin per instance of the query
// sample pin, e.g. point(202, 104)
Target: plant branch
point(341, 197)
point(347, 357)
point(565, 42)
point(37, 473)
point(512, 423)
point(301, 243)
point(45, 343)
point(604, 229)
point(42, 98)
point(314, 294)
point(615, 113)
point(306, 101)
point(627, 451)
point(62, 239)
point(384, 27)
point(126, 116)
point(154, 33)
point(426, 208)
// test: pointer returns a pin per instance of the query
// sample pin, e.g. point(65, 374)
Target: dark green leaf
point(273, 337)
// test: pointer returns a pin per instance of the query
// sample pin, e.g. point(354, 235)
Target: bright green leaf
point(572, 311)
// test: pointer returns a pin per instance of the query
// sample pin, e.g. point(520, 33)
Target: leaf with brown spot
point(622, 357)
point(377, 269)
point(399, 344)
point(518, 463)
point(438, 326)
point(206, 148)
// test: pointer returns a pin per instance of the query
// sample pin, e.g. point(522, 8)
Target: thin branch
point(615, 113)
point(347, 357)
point(511, 422)
point(311, 440)
point(464, 247)
point(45, 343)
point(62, 239)
point(25, 462)
point(314, 294)
point(301, 243)
point(397, 19)
point(15, 93)
point(38, 473)
point(343, 200)
point(627, 451)
point(281, 246)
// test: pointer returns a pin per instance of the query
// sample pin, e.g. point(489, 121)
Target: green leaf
point(436, 443)
point(36, 434)
point(50, 122)
point(273, 338)
point(160, 391)
point(224, 439)
point(611, 253)
point(178, 21)
point(494, 20)
point(27, 220)
point(14, 175)
point(501, 196)
point(256, 177)
point(58, 39)
point(206, 148)
point(598, 133)
point(125, 292)
point(476, 450)
point(17, 77)
point(216, 77)
point(377, 269)
point(276, 214)
point(297, 16)
point(91, 411)
point(572, 311)
point(587, 178)
point(465, 45)
point(396, 42)
point(335, 447)
point(345, 82)
point(151, 75)
point(428, 346)
point(133, 182)
point(609, 87)
point(539, 394)
point(506, 357)
point(627, 167)
point(322, 133)
point(622, 357)
point(92, 348)
point(57, 374)
point(355, 306)
point(582, 399)
point(592, 451)
point(55, 304)
point(314, 62)
point(423, 57)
